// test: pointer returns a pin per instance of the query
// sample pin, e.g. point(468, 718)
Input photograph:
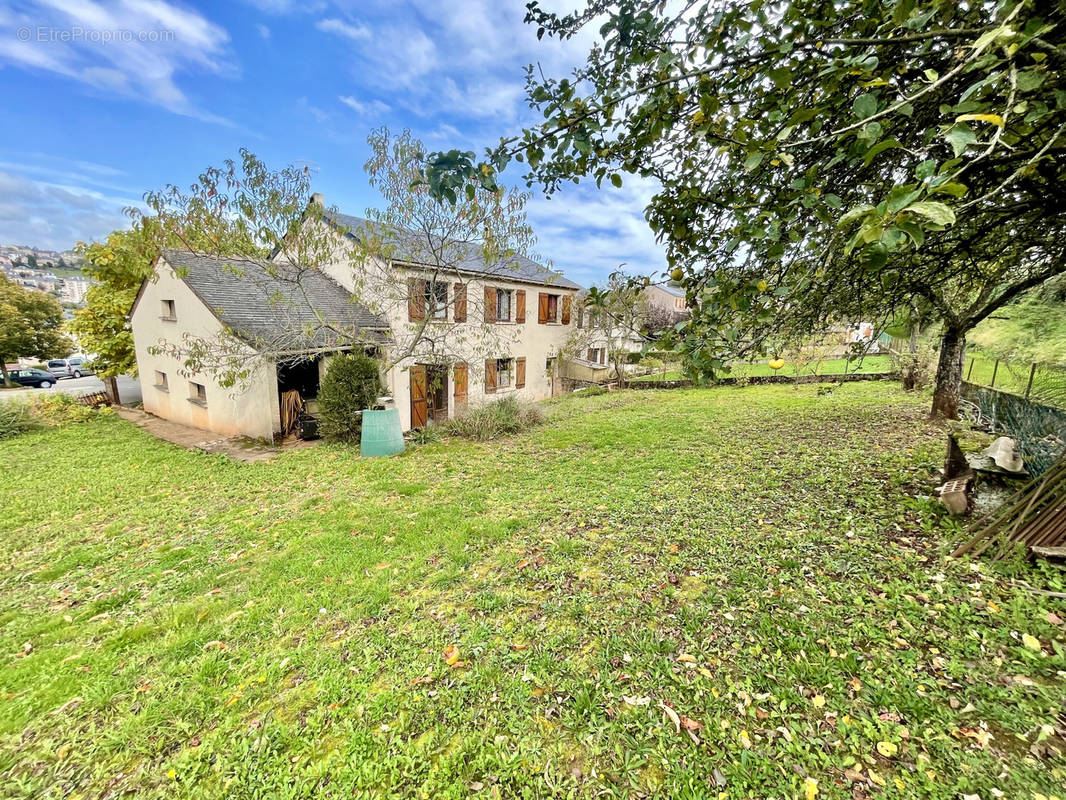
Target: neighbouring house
point(666, 297)
point(245, 307)
point(508, 322)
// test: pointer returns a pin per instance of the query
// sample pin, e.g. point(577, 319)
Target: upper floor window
point(503, 305)
point(436, 293)
point(168, 310)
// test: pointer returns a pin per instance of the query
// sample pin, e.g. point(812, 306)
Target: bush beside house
point(351, 384)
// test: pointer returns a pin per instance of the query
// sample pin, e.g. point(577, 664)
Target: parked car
point(33, 377)
point(73, 367)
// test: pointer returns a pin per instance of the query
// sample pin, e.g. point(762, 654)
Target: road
point(129, 389)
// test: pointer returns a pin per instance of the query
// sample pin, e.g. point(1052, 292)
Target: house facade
point(470, 334)
point(465, 333)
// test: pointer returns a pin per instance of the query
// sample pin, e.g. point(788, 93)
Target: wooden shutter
point(520, 305)
point(490, 304)
point(490, 376)
point(416, 299)
point(542, 308)
point(462, 380)
point(460, 302)
point(566, 310)
point(520, 372)
point(419, 413)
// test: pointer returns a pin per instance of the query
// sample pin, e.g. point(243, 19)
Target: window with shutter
point(460, 302)
point(490, 304)
point(416, 299)
point(566, 310)
point(490, 376)
point(542, 308)
point(520, 372)
point(520, 306)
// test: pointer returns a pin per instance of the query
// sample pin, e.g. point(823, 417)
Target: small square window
point(161, 381)
point(197, 393)
point(168, 310)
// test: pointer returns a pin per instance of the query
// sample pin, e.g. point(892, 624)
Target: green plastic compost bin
point(381, 433)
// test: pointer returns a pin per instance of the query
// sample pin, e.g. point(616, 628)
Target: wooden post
point(969, 372)
point(1029, 386)
point(995, 369)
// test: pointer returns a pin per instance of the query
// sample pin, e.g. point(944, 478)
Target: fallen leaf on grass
point(979, 735)
point(887, 749)
point(875, 778)
point(818, 701)
point(674, 718)
point(1031, 642)
point(451, 654)
point(686, 658)
point(689, 724)
point(636, 701)
point(1053, 618)
point(810, 788)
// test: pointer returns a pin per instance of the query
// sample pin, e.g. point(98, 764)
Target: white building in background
point(73, 290)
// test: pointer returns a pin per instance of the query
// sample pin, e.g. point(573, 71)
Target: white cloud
point(56, 216)
point(263, 30)
point(364, 107)
point(355, 32)
point(134, 48)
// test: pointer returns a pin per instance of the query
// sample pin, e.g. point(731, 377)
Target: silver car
point(73, 367)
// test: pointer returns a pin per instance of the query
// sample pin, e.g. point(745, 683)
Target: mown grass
point(1048, 382)
point(831, 366)
point(764, 562)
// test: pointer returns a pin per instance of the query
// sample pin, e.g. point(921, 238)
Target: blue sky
point(89, 124)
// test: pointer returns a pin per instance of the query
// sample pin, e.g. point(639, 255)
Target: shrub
point(351, 385)
point(16, 416)
point(502, 418)
point(591, 390)
point(60, 409)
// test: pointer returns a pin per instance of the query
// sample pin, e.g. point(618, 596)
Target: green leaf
point(902, 196)
point(953, 188)
point(1030, 79)
point(933, 211)
point(879, 148)
point(865, 105)
point(854, 214)
point(753, 161)
point(616, 179)
point(960, 136)
point(995, 119)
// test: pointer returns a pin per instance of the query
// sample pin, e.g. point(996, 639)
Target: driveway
point(129, 389)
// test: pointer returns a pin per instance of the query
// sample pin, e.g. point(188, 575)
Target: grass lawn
point(1049, 382)
point(695, 593)
point(832, 366)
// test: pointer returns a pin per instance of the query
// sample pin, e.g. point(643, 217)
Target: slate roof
point(271, 303)
point(676, 291)
point(518, 268)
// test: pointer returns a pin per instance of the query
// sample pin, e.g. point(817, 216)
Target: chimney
point(317, 199)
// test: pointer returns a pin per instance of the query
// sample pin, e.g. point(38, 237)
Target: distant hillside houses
point(50, 271)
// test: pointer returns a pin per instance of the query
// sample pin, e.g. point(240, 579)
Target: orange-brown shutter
point(542, 308)
point(462, 380)
point(460, 302)
point(418, 396)
point(490, 376)
point(490, 304)
point(566, 309)
point(416, 299)
point(520, 306)
point(520, 372)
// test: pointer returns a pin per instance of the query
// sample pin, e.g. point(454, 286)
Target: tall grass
point(504, 417)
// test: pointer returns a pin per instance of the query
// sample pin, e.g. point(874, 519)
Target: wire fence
point(1041, 383)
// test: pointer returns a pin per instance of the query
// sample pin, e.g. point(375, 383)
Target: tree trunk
point(949, 374)
point(112, 390)
point(910, 364)
point(3, 368)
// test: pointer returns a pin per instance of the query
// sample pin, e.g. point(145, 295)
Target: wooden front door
point(419, 412)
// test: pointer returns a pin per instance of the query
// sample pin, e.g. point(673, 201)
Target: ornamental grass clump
point(504, 417)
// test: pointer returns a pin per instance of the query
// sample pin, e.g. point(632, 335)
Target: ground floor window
point(503, 372)
point(161, 381)
point(197, 393)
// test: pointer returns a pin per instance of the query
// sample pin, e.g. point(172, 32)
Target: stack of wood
point(1035, 517)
